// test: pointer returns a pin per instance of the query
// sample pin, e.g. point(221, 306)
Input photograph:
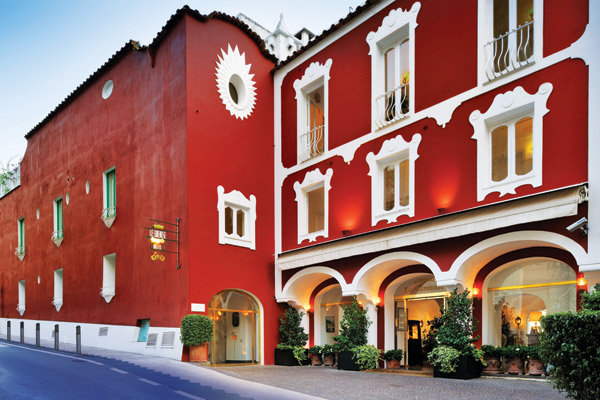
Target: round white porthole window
point(107, 89)
point(235, 84)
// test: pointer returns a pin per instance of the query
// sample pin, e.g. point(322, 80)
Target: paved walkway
point(329, 383)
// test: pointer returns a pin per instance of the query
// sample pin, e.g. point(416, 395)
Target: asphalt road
point(27, 373)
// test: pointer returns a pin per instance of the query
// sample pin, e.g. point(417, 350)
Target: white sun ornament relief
point(235, 84)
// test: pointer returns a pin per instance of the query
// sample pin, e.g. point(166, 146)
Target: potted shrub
point(393, 358)
point(535, 366)
point(514, 356)
point(315, 355)
point(492, 356)
point(196, 331)
point(353, 333)
point(366, 356)
point(455, 331)
point(292, 339)
point(329, 355)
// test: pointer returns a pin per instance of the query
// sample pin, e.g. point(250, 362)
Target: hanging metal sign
point(159, 237)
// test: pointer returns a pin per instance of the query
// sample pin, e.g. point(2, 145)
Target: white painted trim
point(119, 338)
point(465, 267)
point(237, 201)
point(315, 75)
point(312, 180)
point(507, 106)
point(397, 26)
point(536, 208)
point(392, 151)
point(296, 294)
point(232, 68)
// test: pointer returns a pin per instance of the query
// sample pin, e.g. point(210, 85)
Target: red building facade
point(412, 148)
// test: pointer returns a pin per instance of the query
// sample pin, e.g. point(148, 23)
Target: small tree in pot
point(393, 358)
point(329, 354)
point(456, 329)
point(353, 333)
point(514, 356)
point(492, 356)
point(196, 332)
point(292, 339)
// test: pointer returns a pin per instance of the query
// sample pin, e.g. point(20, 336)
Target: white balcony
point(311, 143)
point(392, 106)
point(509, 52)
point(108, 292)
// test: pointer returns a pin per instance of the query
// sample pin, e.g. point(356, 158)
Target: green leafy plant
point(328, 349)
point(196, 329)
point(570, 346)
point(591, 300)
point(445, 358)
point(353, 327)
point(393, 355)
point(514, 351)
point(291, 332)
point(366, 356)
point(430, 340)
point(7, 174)
point(315, 350)
point(533, 351)
point(491, 351)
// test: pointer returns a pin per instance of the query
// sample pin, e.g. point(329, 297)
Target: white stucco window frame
point(485, 34)
point(397, 26)
point(315, 76)
point(312, 180)
point(237, 201)
point(392, 151)
point(506, 107)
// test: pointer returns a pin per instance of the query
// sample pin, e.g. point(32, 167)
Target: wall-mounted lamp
point(346, 232)
point(307, 308)
point(441, 211)
point(475, 292)
point(518, 321)
point(581, 282)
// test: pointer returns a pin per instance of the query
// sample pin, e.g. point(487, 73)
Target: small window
point(396, 99)
point(312, 108)
point(392, 179)
point(109, 268)
point(21, 305)
point(20, 250)
point(509, 152)
point(109, 212)
point(144, 325)
point(58, 289)
point(58, 233)
point(237, 216)
point(312, 196)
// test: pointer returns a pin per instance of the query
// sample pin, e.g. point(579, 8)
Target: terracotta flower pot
point(329, 359)
point(515, 366)
point(199, 353)
point(494, 366)
point(315, 359)
point(392, 364)
point(536, 367)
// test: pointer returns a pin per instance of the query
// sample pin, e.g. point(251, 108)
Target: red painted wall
point(237, 154)
point(564, 23)
point(140, 129)
point(445, 172)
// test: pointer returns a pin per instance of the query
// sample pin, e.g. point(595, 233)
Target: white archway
point(464, 269)
point(300, 286)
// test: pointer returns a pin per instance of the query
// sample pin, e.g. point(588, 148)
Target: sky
point(49, 47)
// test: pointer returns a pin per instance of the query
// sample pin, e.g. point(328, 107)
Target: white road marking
point(56, 354)
point(149, 381)
point(119, 371)
point(189, 396)
point(3, 345)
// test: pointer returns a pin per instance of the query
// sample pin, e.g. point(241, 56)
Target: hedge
point(570, 346)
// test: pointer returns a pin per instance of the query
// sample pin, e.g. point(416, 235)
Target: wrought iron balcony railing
point(392, 106)
point(509, 52)
point(311, 143)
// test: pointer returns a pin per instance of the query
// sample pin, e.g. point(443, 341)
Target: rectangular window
point(397, 77)
point(396, 185)
point(21, 305)
point(144, 325)
point(21, 236)
point(512, 149)
point(58, 289)
point(237, 216)
point(109, 276)
point(58, 217)
point(316, 209)
point(110, 194)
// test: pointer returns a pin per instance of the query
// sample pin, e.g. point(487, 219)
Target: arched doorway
point(517, 294)
point(329, 310)
point(236, 319)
